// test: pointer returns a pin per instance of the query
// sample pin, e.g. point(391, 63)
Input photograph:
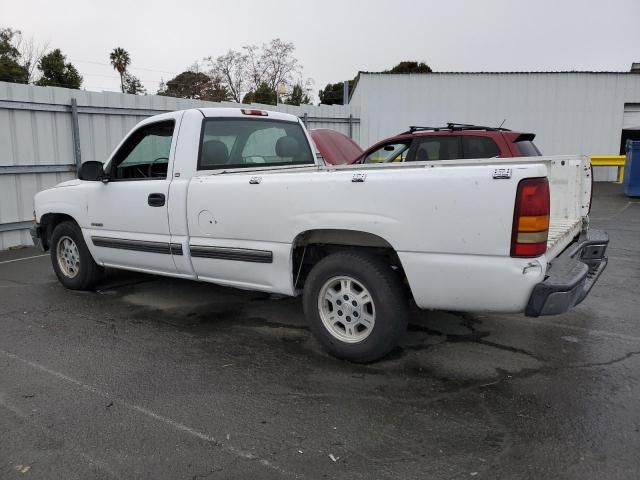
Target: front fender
point(67, 201)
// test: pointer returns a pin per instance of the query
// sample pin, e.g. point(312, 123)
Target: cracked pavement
point(160, 378)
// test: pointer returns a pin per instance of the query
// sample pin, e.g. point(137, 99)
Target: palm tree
point(120, 60)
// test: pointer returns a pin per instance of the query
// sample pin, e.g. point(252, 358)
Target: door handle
point(156, 199)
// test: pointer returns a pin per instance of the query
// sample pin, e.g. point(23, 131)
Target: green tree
point(264, 94)
point(120, 60)
point(219, 92)
point(298, 96)
point(132, 84)
point(333, 94)
point(248, 98)
point(11, 70)
point(58, 73)
point(8, 49)
point(410, 66)
point(196, 85)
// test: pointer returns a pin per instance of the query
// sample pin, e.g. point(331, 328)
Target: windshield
point(250, 143)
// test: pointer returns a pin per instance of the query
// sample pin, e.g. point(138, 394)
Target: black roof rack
point(415, 128)
point(454, 127)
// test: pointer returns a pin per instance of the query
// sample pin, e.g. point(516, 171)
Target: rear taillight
point(531, 218)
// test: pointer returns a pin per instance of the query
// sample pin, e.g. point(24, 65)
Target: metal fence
point(46, 133)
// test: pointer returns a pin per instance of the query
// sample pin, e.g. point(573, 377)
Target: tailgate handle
point(156, 199)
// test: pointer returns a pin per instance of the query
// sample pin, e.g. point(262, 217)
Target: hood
point(68, 183)
point(335, 147)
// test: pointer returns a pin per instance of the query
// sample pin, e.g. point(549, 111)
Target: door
point(228, 243)
point(630, 127)
point(128, 216)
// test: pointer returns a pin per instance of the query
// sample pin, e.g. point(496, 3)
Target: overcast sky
point(335, 38)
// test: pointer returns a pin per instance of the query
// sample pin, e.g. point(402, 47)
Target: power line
point(116, 77)
point(135, 68)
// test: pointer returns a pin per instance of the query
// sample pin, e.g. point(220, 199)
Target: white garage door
point(631, 118)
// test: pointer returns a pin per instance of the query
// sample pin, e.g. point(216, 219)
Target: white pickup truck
point(239, 197)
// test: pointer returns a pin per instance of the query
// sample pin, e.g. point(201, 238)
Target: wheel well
point(48, 222)
point(313, 245)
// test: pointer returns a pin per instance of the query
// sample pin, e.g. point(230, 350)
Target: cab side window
point(479, 147)
point(391, 152)
point(145, 154)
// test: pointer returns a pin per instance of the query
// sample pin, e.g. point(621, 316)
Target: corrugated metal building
point(570, 112)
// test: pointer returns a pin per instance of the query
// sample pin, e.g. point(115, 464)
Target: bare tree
point(281, 66)
point(232, 69)
point(270, 66)
point(195, 67)
point(31, 52)
point(256, 66)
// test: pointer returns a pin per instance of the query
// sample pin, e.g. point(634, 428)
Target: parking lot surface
point(159, 378)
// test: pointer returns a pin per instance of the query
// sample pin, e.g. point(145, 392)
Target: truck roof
point(247, 112)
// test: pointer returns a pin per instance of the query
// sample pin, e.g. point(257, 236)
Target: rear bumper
point(570, 276)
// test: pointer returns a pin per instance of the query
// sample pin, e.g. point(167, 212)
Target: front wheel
point(71, 259)
point(356, 306)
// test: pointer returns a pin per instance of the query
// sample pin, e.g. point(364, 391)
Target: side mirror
point(93, 172)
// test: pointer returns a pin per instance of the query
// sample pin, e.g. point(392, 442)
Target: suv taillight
point(531, 218)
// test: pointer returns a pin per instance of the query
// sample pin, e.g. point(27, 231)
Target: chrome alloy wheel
point(346, 309)
point(68, 257)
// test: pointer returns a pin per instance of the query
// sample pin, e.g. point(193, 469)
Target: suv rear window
point(527, 148)
point(479, 147)
point(437, 147)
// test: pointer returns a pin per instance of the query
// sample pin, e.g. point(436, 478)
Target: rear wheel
point(356, 306)
point(71, 259)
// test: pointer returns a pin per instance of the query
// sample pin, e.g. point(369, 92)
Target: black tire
point(88, 272)
point(386, 292)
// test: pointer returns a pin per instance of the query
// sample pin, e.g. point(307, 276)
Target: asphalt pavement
point(160, 378)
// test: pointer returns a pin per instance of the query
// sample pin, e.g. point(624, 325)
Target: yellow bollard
point(610, 161)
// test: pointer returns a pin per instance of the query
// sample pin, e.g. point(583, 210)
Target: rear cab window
point(232, 142)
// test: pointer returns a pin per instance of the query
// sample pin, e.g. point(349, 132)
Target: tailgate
point(570, 185)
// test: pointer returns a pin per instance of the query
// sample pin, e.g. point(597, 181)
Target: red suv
point(455, 141)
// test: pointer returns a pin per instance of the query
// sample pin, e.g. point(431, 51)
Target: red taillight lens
point(531, 218)
point(259, 113)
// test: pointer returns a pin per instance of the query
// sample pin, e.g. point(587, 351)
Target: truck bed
point(569, 182)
